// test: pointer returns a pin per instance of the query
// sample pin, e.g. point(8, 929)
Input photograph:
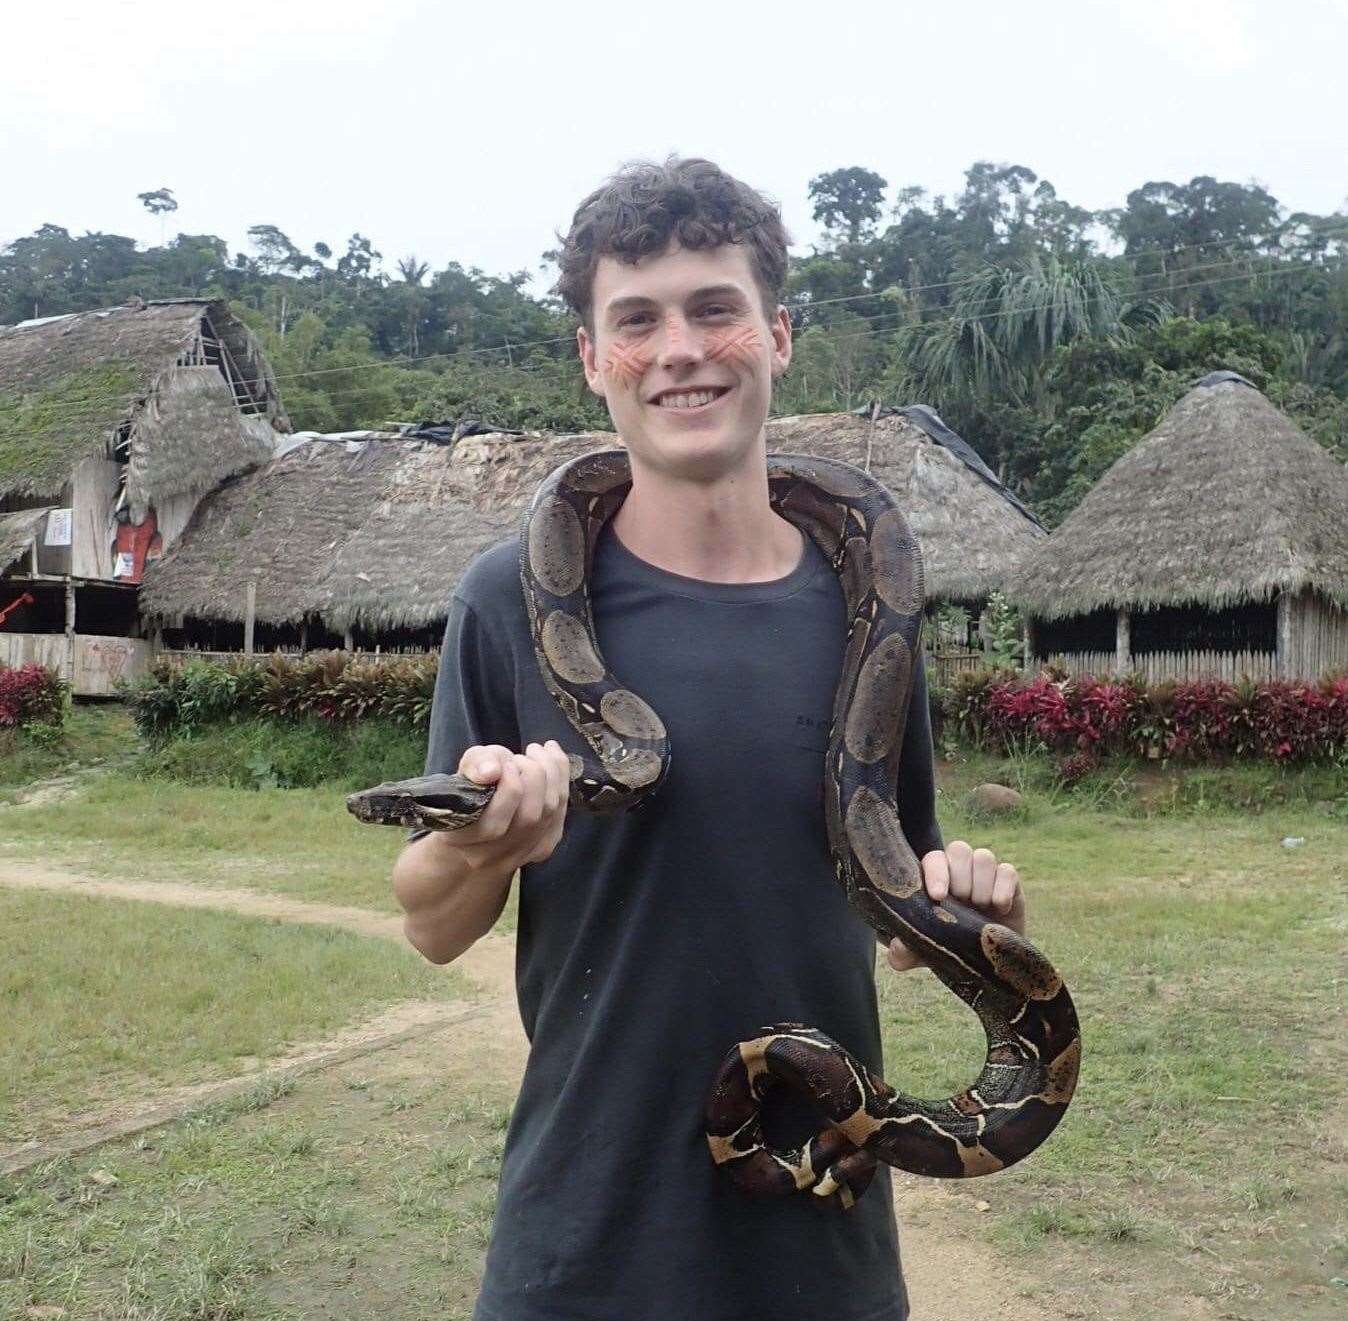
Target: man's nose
point(680, 342)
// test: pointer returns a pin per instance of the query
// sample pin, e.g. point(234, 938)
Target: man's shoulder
point(490, 586)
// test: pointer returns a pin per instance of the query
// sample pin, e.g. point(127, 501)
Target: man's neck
point(720, 531)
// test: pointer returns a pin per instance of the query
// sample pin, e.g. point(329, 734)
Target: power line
point(560, 368)
point(796, 309)
point(995, 297)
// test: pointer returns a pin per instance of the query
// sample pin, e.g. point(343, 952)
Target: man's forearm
point(449, 905)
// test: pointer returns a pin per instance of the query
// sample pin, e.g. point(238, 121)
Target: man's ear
point(781, 342)
point(585, 348)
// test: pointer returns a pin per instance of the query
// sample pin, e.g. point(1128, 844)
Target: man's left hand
point(974, 877)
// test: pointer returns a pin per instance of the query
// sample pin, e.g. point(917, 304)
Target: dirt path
point(490, 963)
point(952, 1275)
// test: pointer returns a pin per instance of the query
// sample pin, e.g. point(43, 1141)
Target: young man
point(650, 943)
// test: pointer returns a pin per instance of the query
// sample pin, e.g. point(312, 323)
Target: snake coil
point(1034, 1043)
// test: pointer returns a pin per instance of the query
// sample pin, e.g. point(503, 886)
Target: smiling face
point(685, 357)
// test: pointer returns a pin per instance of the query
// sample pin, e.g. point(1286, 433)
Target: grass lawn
point(103, 1000)
point(299, 842)
point(347, 1196)
point(1201, 1170)
point(1205, 1146)
point(120, 824)
point(94, 733)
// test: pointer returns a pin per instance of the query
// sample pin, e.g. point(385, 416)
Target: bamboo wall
point(1098, 663)
point(1313, 641)
point(1231, 665)
point(1319, 637)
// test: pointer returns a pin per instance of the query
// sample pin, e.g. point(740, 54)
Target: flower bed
point(1201, 720)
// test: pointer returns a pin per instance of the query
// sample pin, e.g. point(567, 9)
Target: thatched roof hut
point(1223, 515)
point(113, 424)
point(77, 386)
point(972, 530)
point(371, 532)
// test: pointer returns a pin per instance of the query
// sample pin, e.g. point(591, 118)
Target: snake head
point(427, 802)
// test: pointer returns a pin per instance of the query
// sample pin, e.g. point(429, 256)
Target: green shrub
point(265, 753)
point(332, 686)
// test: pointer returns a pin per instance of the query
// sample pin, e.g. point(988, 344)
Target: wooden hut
point(1216, 547)
point(113, 425)
point(358, 539)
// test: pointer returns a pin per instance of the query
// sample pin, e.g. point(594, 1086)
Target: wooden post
point(1123, 643)
point(70, 633)
point(348, 642)
point(249, 615)
point(1284, 661)
point(304, 636)
point(1027, 645)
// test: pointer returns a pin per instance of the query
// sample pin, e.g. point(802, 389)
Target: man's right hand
point(453, 884)
point(523, 821)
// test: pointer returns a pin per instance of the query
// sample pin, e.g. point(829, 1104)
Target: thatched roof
point(17, 531)
point(1226, 501)
point(972, 531)
point(375, 532)
point(70, 385)
point(371, 531)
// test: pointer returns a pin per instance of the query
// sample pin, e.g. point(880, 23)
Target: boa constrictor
point(1034, 1044)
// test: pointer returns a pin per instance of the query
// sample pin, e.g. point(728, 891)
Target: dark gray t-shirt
point(651, 942)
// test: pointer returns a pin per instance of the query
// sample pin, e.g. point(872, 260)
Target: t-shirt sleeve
point(474, 692)
point(474, 699)
point(917, 771)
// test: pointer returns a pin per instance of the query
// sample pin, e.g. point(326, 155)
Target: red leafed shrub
point(1298, 721)
point(30, 695)
point(1199, 720)
point(1087, 714)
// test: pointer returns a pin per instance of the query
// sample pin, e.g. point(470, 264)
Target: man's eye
point(636, 319)
point(715, 309)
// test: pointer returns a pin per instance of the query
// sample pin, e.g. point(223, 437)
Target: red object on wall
point(25, 599)
point(141, 542)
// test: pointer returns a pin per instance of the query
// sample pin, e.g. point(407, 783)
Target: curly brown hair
point(640, 209)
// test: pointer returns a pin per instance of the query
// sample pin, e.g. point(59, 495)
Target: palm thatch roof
point(972, 530)
point(17, 531)
point(1226, 501)
point(374, 532)
point(78, 385)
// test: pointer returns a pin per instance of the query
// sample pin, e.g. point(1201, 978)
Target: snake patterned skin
point(1034, 1043)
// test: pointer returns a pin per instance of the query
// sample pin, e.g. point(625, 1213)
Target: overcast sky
point(468, 132)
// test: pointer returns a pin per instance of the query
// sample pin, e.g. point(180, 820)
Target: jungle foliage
point(1051, 335)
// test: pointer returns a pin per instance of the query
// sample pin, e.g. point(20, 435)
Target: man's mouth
point(690, 399)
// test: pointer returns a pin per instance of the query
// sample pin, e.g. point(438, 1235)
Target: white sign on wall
point(125, 566)
point(58, 528)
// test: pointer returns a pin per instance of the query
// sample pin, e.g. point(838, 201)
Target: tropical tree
point(848, 202)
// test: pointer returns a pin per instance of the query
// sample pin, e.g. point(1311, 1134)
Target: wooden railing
point(943, 666)
point(1179, 665)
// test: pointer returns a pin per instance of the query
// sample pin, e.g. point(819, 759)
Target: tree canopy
point(1050, 335)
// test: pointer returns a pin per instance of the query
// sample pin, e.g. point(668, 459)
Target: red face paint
point(738, 346)
point(626, 365)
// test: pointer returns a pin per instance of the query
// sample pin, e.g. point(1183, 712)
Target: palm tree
point(993, 340)
point(412, 270)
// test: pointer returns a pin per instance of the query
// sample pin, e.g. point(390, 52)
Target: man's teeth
point(693, 400)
